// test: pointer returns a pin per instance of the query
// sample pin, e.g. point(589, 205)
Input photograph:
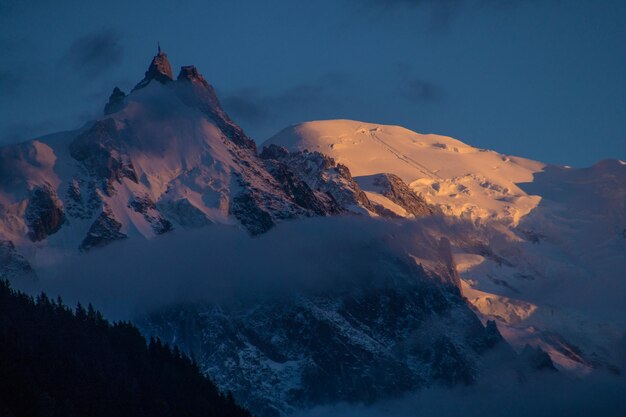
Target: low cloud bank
point(221, 263)
point(542, 396)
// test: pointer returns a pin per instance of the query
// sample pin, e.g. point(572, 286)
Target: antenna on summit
point(159, 47)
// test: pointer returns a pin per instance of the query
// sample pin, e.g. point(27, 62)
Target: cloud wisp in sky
point(440, 14)
point(418, 91)
point(96, 52)
point(224, 264)
point(326, 97)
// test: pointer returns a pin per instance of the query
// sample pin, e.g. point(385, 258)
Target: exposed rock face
point(116, 102)
point(245, 208)
point(537, 358)
point(104, 230)
point(44, 214)
point(159, 70)
point(147, 207)
point(82, 198)
point(13, 264)
point(184, 213)
point(293, 183)
point(335, 187)
point(396, 190)
point(322, 175)
point(449, 273)
point(354, 343)
point(492, 335)
point(316, 201)
point(101, 151)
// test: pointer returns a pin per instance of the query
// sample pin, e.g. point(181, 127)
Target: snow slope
point(165, 156)
point(546, 256)
point(463, 180)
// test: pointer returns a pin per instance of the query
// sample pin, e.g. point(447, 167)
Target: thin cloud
point(543, 395)
point(328, 96)
point(246, 104)
point(418, 91)
point(254, 106)
point(439, 14)
point(96, 52)
point(202, 267)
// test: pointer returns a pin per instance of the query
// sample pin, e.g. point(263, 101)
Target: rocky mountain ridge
point(165, 156)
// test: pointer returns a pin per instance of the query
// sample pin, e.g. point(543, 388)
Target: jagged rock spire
point(116, 101)
point(159, 69)
point(160, 66)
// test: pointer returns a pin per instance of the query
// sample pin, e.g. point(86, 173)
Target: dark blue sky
point(545, 79)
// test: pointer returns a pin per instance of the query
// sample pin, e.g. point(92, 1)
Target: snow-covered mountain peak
point(462, 180)
point(539, 226)
point(162, 157)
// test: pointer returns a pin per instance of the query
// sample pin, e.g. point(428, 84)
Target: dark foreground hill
point(59, 362)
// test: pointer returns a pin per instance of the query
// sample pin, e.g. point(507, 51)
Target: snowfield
point(464, 181)
point(547, 256)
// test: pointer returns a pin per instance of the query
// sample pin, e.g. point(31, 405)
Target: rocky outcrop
point(356, 344)
point(100, 149)
point(145, 206)
point(396, 190)
point(12, 264)
point(247, 210)
point(537, 358)
point(44, 213)
point(116, 102)
point(318, 202)
point(322, 175)
point(104, 230)
point(184, 213)
point(82, 198)
point(159, 70)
